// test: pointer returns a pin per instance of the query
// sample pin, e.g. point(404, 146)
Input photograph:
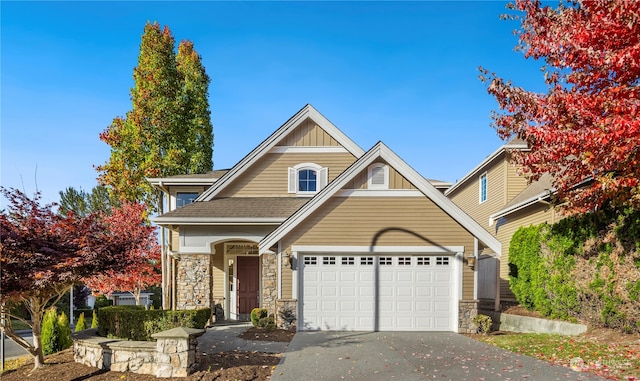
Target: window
point(483, 187)
point(348, 261)
point(385, 261)
point(328, 260)
point(307, 178)
point(424, 261)
point(404, 261)
point(310, 260)
point(442, 261)
point(378, 176)
point(184, 198)
point(366, 261)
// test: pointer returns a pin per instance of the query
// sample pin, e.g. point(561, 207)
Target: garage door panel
point(409, 293)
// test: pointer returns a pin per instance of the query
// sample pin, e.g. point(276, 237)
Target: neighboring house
point(308, 224)
point(124, 299)
point(501, 201)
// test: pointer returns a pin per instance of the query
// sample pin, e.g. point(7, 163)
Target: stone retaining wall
point(172, 355)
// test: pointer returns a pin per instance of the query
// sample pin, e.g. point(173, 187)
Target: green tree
point(82, 323)
point(64, 339)
point(50, 332)
point(82, 203)
point(168, 130)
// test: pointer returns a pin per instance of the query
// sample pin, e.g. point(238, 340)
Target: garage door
point(386, 293)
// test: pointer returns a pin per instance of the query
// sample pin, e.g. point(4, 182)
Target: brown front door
point(248, 284)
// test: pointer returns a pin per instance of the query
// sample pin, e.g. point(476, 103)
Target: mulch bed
point(236, 365)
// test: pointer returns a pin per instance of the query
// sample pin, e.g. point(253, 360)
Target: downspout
point(163, 254)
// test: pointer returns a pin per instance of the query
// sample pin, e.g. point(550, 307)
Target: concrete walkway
point(223, 338)
point(416, 356)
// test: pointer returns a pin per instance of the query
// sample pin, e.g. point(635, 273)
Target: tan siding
point(383, 221)
point(269, 176)
point(287, 280)
point(217, 272)
point(516, 183)
point(174, 240)
point(467, 197)
point(504, 230)
point(358, 182)
point(309, 134)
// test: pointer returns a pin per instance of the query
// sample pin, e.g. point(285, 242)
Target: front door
point(247, 286)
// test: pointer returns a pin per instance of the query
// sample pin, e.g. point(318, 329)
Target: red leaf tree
point(145, 258)
point(585, 130)
point(42, 254)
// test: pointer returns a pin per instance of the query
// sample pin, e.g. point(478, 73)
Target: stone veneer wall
point(172, 355)
point(467, 310)
point(269, 294)
point(286, 313)
point(193, 282)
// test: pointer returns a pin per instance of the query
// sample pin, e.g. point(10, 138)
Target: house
point(309, 225)
point(498, 198)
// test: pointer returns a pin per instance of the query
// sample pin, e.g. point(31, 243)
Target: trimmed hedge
point(136, 323)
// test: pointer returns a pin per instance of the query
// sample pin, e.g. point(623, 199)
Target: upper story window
point(184, 198)
point(483, 187)
point(307, 178)
point(378, 176)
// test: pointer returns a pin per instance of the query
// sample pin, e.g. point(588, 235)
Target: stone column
point(467, 310)
point(176, 351)
point(269, 282)
point(193, 282)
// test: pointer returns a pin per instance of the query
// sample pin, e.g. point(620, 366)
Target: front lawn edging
point(527, 324)
point(172, 355)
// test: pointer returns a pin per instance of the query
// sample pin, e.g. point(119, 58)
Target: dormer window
point(307, 178)
point(378, 176)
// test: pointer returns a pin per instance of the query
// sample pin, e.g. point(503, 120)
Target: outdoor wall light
point(471, 261)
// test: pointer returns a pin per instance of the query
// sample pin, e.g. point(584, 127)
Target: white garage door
point(398, 293)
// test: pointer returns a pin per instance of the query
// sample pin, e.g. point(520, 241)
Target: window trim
point(481, 186)
point(294, 178)
point(372, 167)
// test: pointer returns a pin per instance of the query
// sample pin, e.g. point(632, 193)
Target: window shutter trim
point(292, 180)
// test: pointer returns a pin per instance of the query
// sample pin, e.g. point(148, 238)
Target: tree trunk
point(36, 351)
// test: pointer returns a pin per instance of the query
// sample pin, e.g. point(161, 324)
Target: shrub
point(94, 320)
point(49, 332)
point(136, 323)
point(267, 323)
point(64, 339)
point(257, 314)
point(526, 276)
point(81, 324)
point(102, 301)
point(483, 322)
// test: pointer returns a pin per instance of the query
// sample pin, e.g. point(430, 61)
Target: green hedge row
point(584, 268)
point(136, 323)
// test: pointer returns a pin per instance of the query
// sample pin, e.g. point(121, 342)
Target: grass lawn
point(17, 324)
point(614, 359)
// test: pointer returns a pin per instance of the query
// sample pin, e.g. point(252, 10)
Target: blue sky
point(405, 73)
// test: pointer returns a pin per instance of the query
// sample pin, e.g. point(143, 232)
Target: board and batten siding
point(381, 221)
point(467, 197)
point(270, 175)
point(504, 229)
point(308, 133)
point(396, 180)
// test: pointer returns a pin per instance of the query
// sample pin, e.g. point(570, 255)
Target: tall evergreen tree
point(82, 203)
point(194, 114)
point(168, 130)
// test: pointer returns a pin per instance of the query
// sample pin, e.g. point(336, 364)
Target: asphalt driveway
point(375, 356)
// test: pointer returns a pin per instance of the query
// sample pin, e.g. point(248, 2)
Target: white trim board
point(377, 249)
point(308, 149)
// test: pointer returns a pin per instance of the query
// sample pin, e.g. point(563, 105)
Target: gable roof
point(512, 144)
point(233, 210)
point(263, 148)
point(380, 150)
